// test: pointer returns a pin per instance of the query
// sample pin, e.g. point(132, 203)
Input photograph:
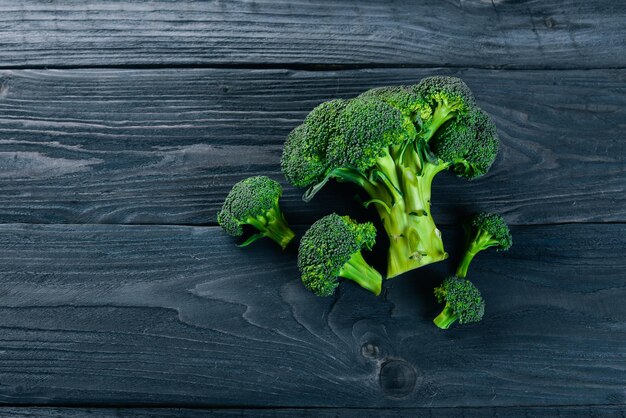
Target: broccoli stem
point(358, 270)
point(446, 318)
point(414, 239)
point(274, 226)
point(401, 193)
point(442, 115)
point(461, 271)
point(481, 241)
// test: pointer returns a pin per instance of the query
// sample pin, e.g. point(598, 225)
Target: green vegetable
point(254, 201)
point(463, 302)
point(331, 248)
point(484, 230)
point(392, 141)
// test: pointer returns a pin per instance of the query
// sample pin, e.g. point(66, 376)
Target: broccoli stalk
point(392, 142)
point(359, 271)
point(271, 225)
point(254, 201)
point(484, 230)
point(463, 302)
point(331, 248)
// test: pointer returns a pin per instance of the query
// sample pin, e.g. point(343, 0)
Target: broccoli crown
point(250, 198)
point(463, 298)
point(449, 92)
point(342, 133)
point(355, 133)
point(495, 226)
point(327, 246)
point(470, 144)
point(367, 130)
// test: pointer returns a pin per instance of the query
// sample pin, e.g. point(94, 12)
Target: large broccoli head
point(254, 201)
point(383, 142)
point(463, 300)
point(331, 248)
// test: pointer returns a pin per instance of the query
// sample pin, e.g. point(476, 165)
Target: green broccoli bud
point(403, 98)
point(331, 248)
point(463, 302)
point(484, 230)
point(254, 201)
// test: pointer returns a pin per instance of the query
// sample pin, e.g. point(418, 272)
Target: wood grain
point(164, 147)
point(158, 315)
point(529, 34)
point(509, 412)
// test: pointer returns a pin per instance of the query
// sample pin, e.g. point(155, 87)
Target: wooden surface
point(164, 147)
point(177, 314)
point(511, 412)
point(124, 124)
point(536, 33)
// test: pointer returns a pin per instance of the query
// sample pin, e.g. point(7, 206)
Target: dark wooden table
point(123, 124)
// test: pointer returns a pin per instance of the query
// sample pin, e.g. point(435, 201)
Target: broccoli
point(331, 248)
point(254, 201)
point(392, 141)
point(484, 230)
point(463, 302)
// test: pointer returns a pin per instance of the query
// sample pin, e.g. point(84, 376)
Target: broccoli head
point(331, 248)
point(254, 201)
point(463, 302)
point(392, 141)
point(484, 230)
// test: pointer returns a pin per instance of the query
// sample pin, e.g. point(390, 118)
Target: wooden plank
point(511, 412)
point(536, 34)
point(165, 146)
point(117, 315)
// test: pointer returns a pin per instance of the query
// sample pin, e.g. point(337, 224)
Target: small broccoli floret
point(484, 230)
point(443, 98)
point(331, 248)
point(468, 144)
point(463, 302)
point(254, 201)
point(392, 142)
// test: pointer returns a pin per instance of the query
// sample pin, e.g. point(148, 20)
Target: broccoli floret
point(469, 144)
point(254, 201)
point(331, 248)
point(482, 231)
point(392, 141)
point(403, 98)
point(443, 98)
point(463, 302)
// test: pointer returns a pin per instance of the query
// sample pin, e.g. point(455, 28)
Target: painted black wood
point(164, 147)
point(179, 315)
point(536, 34)
point(511, 412)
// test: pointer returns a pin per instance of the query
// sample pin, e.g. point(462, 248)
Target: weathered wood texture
point(510, 412)
point(538, 33)
point(179, 315)
point(164, 147)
